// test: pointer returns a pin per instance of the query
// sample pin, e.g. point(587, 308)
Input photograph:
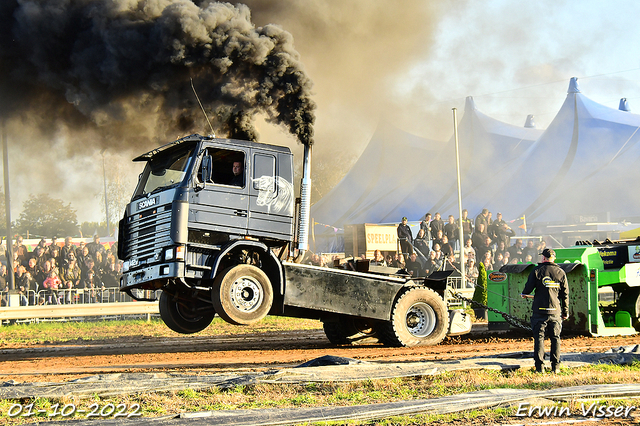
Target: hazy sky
point(406, 62)
point(516, 58)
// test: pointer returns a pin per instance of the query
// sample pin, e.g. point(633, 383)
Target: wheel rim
point(363, 327)
point(421, 320)
point(246, 294)
point(186, 315)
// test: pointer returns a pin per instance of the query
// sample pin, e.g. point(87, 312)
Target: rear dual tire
point(419, 318)
point(350, 330)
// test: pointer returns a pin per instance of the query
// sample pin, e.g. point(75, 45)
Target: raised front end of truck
point(211, 226)
point(208, 214)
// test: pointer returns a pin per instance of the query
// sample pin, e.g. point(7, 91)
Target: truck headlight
point(168, 254)
point(176, 253)
point(125, 266)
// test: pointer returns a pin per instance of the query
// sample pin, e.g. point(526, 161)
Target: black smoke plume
point(124, 68)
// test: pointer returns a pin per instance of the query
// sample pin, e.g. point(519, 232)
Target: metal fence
point(71, 296)
point(456, 286)
point(74, 304)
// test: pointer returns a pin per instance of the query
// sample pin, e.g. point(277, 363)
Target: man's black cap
point(548, 253)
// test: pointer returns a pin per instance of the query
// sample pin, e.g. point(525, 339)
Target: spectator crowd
point(486, 241)
point(59, 273)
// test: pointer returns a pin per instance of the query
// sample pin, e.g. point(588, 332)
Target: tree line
point(44, 217)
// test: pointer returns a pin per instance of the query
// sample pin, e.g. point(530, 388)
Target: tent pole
point(460, 232)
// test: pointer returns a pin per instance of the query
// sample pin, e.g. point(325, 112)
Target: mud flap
point(459, 323)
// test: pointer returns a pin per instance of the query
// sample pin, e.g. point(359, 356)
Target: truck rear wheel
point(419, 318)
point(350, 330)
point(181, 319)
point(242, 294)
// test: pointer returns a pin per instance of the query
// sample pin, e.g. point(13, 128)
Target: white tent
point(380, 180)
point(489, 151)
point(400, 174)
point(585, 163)
point(583, 168)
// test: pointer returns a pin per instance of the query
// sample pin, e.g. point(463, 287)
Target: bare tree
point(119, 190)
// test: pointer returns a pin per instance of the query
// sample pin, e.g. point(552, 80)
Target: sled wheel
point(350, 330)
point(629, 301)
point(242, 294)
point(180, 317)
point(419, 318)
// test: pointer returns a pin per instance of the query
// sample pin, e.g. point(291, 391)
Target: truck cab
point(191, 216)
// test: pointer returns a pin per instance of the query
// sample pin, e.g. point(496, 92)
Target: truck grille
point(147, 234)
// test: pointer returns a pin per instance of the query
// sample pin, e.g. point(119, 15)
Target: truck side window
point(264, 171)
point(228, 167)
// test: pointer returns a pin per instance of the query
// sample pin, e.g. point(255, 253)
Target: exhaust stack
point(305, 202)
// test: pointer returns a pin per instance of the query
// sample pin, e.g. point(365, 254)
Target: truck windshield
point(164, 170)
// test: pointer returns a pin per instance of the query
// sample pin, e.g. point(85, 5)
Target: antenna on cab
point(213, 133)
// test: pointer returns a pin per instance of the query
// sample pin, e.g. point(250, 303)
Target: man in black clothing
point(467, 225)
point(406, 239)
point(450, 263)
point(95, 247)
point(529, 250)
point(433, 263)
point(426, 226)
point(482, 249)
point(451, 230)
point(54, 243)
point(414, 266)
point(437, 224)
point(478, 237)
point(446, 247)
point(482, 219)
point(495, 225)
point(238, 174)
point(515, 251)
point(20, 250)
point(503, 232)
point(550, 307)
point(67, 248)
point(421, 243)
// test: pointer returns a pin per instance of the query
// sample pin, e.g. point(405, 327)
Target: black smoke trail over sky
point(123, 68)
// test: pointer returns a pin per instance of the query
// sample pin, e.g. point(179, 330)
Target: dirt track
point(64, 361)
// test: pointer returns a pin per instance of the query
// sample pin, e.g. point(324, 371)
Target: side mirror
point(207, 168)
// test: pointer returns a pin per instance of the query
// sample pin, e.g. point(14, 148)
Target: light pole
point(106, 202)
point(460, 230)
point(7, 205)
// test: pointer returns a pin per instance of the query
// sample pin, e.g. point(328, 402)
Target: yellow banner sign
point(381, 237)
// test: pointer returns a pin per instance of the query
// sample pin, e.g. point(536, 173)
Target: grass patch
point(154, 404)
point(262, 395)
point(60, 332)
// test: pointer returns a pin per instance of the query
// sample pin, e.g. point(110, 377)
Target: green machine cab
point(595, 272)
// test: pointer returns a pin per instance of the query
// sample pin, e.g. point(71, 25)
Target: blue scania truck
point(216, 243)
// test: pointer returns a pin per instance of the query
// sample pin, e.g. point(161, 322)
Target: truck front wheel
point(419, 318)
point(179, 318)
point(242, 294)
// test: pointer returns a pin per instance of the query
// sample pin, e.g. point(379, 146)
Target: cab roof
point(196, 138)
